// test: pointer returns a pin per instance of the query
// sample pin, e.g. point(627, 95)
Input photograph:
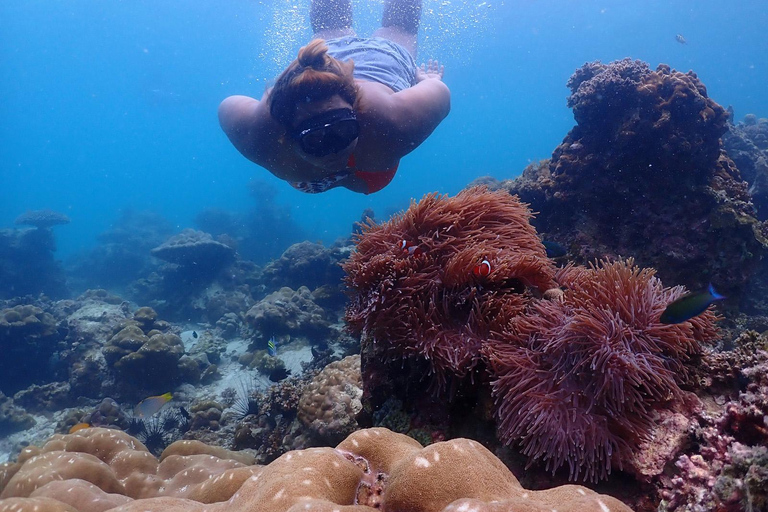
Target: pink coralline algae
point(726, 467)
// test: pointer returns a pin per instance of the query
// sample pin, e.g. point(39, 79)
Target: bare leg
point(331, 18)
point(400, 23)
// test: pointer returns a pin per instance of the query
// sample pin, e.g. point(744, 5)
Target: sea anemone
point(415, 285)
point(576, 380)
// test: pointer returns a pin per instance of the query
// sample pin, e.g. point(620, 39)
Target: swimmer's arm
point(250, 128)
point(415, 112)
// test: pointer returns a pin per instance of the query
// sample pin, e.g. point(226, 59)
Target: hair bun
point(314, 55)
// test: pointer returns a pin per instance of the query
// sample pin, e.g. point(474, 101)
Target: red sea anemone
point(414, 285)
point(577, 376)
point(577, 380)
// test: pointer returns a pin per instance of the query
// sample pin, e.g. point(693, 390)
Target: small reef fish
point(410, 249)
point(194, 334)
point(279, 374)
point(79, 426)
point(554, 249)
point(680, 39)
point(272, 347)
point(151, 405)
point(483, 269)
point(689, 306)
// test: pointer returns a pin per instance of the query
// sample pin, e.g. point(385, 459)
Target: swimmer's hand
point(431, 69)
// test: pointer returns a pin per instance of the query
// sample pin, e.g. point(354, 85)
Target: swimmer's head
point(312, 77)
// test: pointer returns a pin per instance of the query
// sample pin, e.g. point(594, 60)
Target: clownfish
point(410, 249)
point(483, 269)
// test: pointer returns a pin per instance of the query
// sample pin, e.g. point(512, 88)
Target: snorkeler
point(348, 108)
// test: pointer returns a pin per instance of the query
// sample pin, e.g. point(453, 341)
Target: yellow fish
point(151, 405)
point(79, 426)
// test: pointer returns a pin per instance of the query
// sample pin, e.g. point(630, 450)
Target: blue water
point(111, 105)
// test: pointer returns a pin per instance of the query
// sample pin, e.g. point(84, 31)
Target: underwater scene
point(407, 255)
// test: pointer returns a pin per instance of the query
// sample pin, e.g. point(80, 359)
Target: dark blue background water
point(110, 105)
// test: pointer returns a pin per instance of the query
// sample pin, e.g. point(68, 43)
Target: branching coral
point(576, 380)
point(414, 282)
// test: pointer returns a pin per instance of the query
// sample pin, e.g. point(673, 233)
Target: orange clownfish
point(409, 248)
point(483, 269)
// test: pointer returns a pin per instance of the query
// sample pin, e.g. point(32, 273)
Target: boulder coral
point(290, 312)
point(197, 249)
point(28, 335)
point(95, 469)
point(28, 266)
point(644, 174)
point(331, 400)
point(142, 355)
point(42, 219)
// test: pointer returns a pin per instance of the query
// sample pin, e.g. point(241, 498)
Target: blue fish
point(554, 249)
point(272, 347)
point(680, 39)
point(689, 306)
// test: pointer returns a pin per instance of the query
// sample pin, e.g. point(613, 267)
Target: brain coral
point(95, 469)
point(331, 400)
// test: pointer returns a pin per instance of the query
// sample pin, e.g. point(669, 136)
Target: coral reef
point(643, 174)
point(97, 469)
point(91, 319)
point(306, 264)
point(180, 289)
point(725, 465)
point(746, 143)
point(575, 376)
point(331, 401)
point(290, 312)
point(195, 249)
point(28, 336)
point(145, 359)
point(13, 418)
point(27, 266)
point(260, 234)
point(42, 219)
point(123, 253)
